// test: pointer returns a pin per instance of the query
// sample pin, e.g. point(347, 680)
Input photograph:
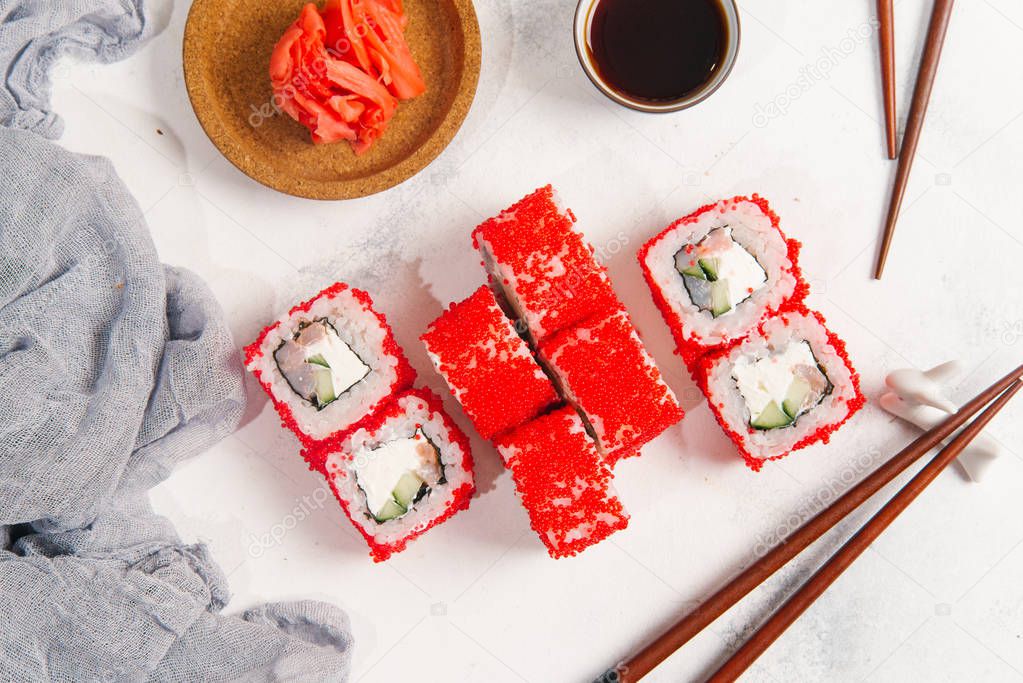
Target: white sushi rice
point(341, 467)
point(364, 334)
point(751, 228)
point(779, 333)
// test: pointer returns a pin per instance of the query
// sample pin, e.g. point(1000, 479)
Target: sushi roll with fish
point(490, 369)
point(328, 363)
point(404, 470)
point(563, 482)
point(542, 266)
point(604, 371)
point(788, 385)
point(720, 271)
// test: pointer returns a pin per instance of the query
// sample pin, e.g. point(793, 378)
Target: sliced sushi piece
point(563, 483)
point(720, 271)
point(328, 363)
point(788, 385)
point(488, 366)
point(542, 265)
point(402, 471)
point(605, 372)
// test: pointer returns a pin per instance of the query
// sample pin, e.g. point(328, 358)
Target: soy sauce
point(657, 50)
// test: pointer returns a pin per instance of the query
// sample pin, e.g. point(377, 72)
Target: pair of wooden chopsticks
point(940, 16)
point(678, 635)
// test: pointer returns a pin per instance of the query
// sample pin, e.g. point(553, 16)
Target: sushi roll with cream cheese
point(488, 366)
point(563, 483)
point(328, 363)
point(402, 471)
point(604, 371)
point(543, 267)
point(788, 385)
point(720, 271)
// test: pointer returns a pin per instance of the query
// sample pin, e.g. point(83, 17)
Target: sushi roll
point(545, 271)
point(562, 482)
point(488, 366)
point(328, 363)
point(788, 385)
point(720, 271)
point(604, 371)
point(405, 469)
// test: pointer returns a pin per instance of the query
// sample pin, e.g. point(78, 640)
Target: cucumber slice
point(795, 398)
point(324, 387)
point(317, 359)
point(685, 265)
point(406, 491)
point(772, 417)
point(390, 510)
point(710, 267)
point(720, 302)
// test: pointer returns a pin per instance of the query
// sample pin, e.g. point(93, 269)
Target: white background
point(937, 598)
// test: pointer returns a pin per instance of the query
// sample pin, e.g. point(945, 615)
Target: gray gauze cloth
point(113, 369)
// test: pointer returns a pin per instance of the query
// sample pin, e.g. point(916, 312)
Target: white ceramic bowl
point(583, 19)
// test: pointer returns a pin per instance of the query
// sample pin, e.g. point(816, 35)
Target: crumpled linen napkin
point(113, 369)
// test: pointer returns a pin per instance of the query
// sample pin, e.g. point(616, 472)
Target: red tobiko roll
point(562, 482)
point(544, 267)
point(720, 271)
point(328, 363)
point(404, 470)
point(605, 372)
point(788, 385)
point(487, 365)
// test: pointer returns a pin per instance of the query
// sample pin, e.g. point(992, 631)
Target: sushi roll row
point(338, 379)
point(728, 284)
point(547, 365)
point(548, 278)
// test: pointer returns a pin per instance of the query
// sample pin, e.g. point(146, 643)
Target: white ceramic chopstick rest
point(917, 397)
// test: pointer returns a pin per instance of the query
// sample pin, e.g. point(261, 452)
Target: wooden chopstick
point(940, 16)
point(841, 560)
point(644, 661)
point(887, 37)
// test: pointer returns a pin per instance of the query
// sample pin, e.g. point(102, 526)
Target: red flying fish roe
point(458, 498)
point(692, 348)
point(405, 374)
point(489, 368)
point(824, 432)
point(562, 482)
point(545, 267)
point(611, 379)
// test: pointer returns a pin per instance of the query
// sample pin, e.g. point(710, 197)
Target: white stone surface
point(938, 597)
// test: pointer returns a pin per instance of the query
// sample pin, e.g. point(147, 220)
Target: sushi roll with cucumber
point(405, 469)
point(542, 266)
point(489, 368)
point(720, 271)
point(563, 482)
point(328, 363)
point(788, 385)
point(604, 371)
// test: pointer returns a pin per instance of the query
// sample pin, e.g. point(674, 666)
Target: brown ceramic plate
point(226, 59)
